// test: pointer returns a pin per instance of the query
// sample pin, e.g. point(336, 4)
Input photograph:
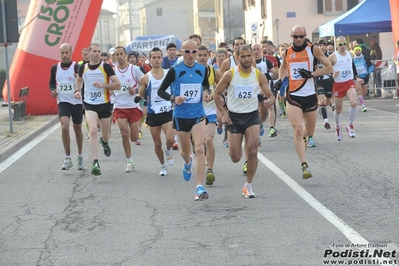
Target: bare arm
point(264, 85)
point(114, 85)
point(274, 70)
point(283, 68)
point(219, 91)
point(143, 85)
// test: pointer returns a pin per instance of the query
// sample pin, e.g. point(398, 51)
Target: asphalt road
point(54, 217)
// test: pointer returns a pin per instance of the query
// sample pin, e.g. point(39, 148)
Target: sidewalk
point(23, 130)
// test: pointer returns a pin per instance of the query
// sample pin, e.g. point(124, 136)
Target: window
point(333, 6)
point(106, 29)
point(263, 9)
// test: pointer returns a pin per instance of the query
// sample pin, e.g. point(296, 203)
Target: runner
point(159, 112)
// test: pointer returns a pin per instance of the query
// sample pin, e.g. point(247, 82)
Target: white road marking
point(16, 156)
point(348, 232)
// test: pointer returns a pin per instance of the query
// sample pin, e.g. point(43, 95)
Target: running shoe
point(364, 109)
point(260, 142)
point(311, 143)
point(140, 135)
point(169, 157)
point(201, 194)
point(219, 129)
point(262, 130)
point(225, 143)
point(333, 107)
point(245, 167)
point(351, 131)
point(129, 167)
point(96, 170)
point(327, 125)
point(284, 115)
point(164, 171)
point(138, 142)
point(338, 131)
point(67, 164)
point(272, 132)
point(81, 165)
point(248, 192)
point(210, 177)
point(107, 149)
point(175, 146)
point(306, 174)
point(187, 170)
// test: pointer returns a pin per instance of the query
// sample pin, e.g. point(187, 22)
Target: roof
point(366, 17)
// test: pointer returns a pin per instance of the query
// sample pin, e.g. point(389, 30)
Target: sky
point(109, 4)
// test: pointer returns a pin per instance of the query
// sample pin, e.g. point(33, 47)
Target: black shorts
point(325, 86)
point(157, 120)
point(366, 80)
point(74, 110)
point(243, 121)
point(183, 124)
point(103, 110)
point(307, 104)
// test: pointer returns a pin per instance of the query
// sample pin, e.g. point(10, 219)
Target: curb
point(8, 152)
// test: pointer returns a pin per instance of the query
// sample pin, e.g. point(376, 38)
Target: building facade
point(273, 20)
point(104, 33)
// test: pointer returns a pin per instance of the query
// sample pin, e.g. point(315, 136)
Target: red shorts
point(131, 114)
point(341, 88)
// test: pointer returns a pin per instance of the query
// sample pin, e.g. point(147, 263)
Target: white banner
point(142, 44)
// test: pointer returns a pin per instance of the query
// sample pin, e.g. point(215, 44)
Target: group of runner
point(191, 97)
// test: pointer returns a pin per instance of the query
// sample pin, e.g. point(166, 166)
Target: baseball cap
point(111, 51)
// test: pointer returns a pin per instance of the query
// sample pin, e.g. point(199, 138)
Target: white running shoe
point(67, 164)
point(169, 157)
point(338, 131)
point(351, 131)
point(164, 171)
point(129, 167)
point(248, 192)
point(81, 165)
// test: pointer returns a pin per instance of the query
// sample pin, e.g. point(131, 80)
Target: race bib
point(66, 88)
point(244, 92)
point(161, 107)
point(294, 69)
point(124, 88)
point(192, 92)
point(345, 73)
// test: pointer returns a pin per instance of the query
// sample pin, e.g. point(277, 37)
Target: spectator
point(223, 45)
point(396, 60)
point(375, 52)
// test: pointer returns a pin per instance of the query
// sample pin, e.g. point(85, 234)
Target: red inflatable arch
point(48, 24)
point(395, 20)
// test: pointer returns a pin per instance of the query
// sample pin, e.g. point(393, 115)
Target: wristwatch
point(172, 98)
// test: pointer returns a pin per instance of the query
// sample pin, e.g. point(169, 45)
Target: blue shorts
point(212, 118)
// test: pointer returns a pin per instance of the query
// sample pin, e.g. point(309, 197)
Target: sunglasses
point(342, 43)
point(190, 51)
point(297, 36)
